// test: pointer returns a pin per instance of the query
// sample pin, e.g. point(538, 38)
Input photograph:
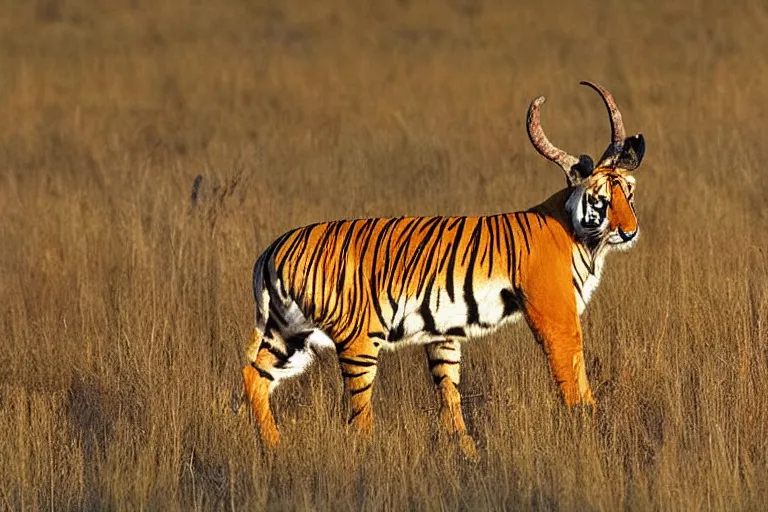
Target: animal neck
point(557, 207)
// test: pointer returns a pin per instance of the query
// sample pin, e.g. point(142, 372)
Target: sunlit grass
point(124, 310)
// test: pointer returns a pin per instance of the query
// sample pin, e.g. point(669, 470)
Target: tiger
point(367, 285)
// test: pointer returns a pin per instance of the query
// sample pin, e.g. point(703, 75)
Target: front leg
point(551, 312)
point(585, 390)
point(561, 337)
point(566, 359)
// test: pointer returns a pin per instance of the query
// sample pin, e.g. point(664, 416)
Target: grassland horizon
point(124, 310)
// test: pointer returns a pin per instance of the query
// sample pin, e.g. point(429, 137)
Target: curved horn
point(617, 124)
point(541, 142)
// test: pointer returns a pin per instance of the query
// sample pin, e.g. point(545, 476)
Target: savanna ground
point(124, 310)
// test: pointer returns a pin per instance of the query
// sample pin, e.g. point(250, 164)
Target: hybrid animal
point(362, 286)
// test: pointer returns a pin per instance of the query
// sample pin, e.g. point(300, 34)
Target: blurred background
point(124, 308)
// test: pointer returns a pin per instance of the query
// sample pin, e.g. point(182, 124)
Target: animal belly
point(459, 318)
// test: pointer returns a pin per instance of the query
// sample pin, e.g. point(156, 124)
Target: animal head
point(601, 197)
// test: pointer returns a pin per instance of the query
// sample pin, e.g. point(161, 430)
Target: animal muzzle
point(626, 237)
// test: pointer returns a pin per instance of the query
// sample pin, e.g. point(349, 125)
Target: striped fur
point(361, 286)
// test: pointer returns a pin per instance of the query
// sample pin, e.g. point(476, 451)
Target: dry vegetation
point(123, 311)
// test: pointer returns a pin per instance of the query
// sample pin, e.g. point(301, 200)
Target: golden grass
point(124, 311)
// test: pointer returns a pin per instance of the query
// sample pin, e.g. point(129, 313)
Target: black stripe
point(509, 239)
point(362, 313)
point(279, 355)
point(446, 253)
point(525, 234)
point(411, 224)
point(297, 245)
point(439, 378)
point(578, 287)
point(355, 414)
point(348, 375)
point(495, 236)
point(368, 225)
point(403, 244)
point(392, 301)
point(311, 269)
point(353, 392)
point(456, 331)
point(343, 254)
point(480, 226)
point(397, 333)
point(379, 335)
point(338, 304)
point(511, 302)
point(473, 314)
point(328, 255)
point(418, 257)
point(425, 312)
point(366, 230)
point(262, 373)
point(381, 277)
point(449, 287)
point(576, 271)
point(373, 281)
point(471, 248)
point(497, 227)
point(428, 270)
point(527, 222)
point(590, 266)
point(298, 341)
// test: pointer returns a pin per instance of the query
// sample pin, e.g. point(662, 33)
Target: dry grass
point(123, 312)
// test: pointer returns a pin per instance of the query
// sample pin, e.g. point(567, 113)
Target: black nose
point(627, 236)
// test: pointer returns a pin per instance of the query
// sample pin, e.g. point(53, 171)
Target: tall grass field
point(125, 306)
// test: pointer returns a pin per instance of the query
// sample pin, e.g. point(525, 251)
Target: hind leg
point(359, 361)
point(275, 359)
point(444, 362)
point(257, 381)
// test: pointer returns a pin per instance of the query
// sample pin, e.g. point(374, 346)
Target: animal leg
point(550, 308)
point(257, 381)
point(359, 362)
point(444, 359)
point(562, 342)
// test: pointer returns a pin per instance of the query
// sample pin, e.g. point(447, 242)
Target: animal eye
point(599, 203)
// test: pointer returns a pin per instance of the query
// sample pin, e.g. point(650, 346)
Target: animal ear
point(632, 153)
point(582, 169)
